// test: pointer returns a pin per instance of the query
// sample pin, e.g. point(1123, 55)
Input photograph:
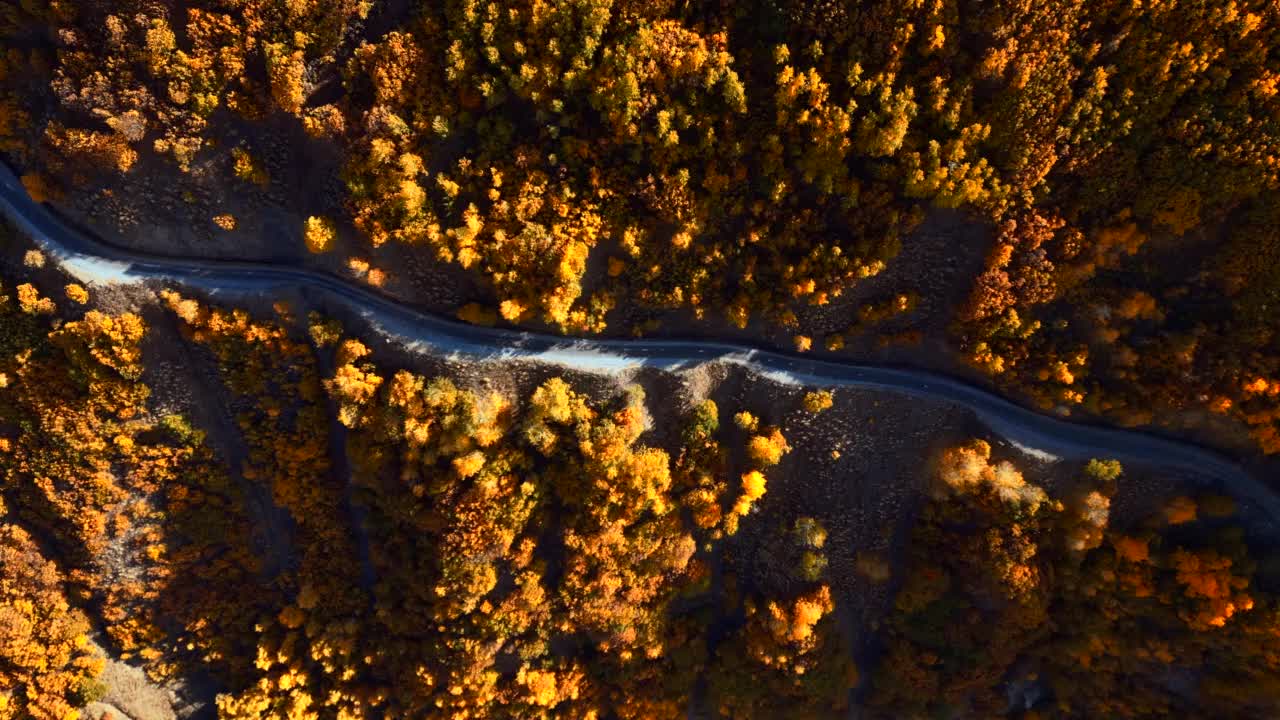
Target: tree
point(45, 660)
point(816, 402)
point(319, 234)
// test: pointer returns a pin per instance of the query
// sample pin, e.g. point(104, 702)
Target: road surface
point(95, 261)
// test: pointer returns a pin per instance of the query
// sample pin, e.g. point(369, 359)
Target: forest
point(744, 163)
point(385, 543)
point(338, 534)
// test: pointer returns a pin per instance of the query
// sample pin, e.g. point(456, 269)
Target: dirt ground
point(861, 468)
point(159, 209)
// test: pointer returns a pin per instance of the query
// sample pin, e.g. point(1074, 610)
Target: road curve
point(91, 258)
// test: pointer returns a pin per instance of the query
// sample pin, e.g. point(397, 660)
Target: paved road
point(92, 259)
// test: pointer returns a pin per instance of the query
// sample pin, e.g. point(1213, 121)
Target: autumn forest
point(266, 509)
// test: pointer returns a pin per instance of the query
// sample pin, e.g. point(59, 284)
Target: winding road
point(94, 261)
